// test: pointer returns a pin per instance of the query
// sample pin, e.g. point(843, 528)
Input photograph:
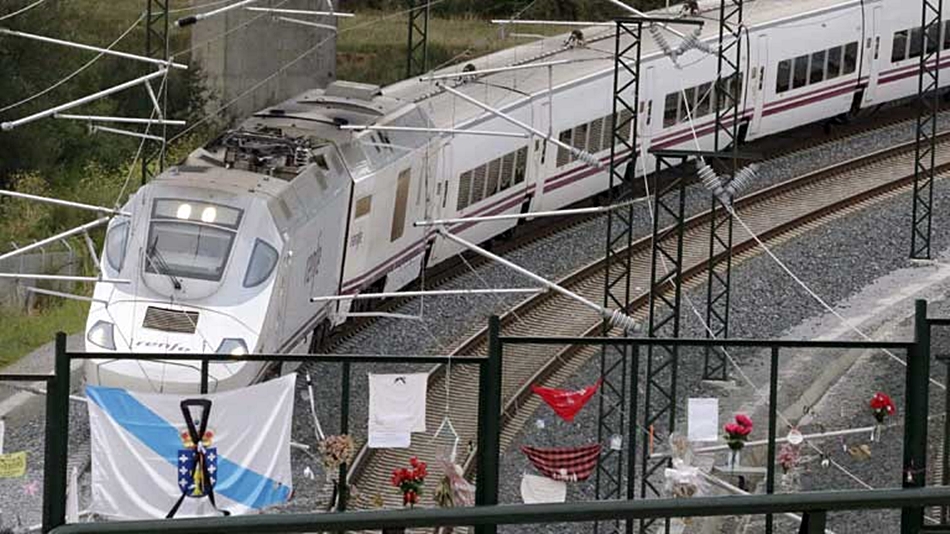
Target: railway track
point(775, 213)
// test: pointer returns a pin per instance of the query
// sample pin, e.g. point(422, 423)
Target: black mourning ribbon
point(196, 434)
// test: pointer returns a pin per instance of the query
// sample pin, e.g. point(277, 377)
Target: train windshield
point(190, 239)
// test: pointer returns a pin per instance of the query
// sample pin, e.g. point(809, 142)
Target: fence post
point(57, 434)
point(489, 410)
point(915, 416)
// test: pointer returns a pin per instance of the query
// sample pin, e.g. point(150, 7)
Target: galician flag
point(156, 456)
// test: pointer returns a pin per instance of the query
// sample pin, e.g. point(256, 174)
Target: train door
point(645, 111)
point(872, 53)
point(759, 89)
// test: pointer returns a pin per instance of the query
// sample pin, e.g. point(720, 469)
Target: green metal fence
point(487, 514)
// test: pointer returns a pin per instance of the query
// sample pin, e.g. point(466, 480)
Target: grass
point(24, 333)
point(372, 49)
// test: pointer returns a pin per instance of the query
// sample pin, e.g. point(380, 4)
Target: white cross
point(212, 456)
point(212, 469)
point(183, 470)
point(182, 458)
point(212, 481)
point(183, 483)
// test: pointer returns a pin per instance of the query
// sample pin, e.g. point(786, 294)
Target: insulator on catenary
point(692, 41)
point(742, 179)
point(622, 320)
point(662, 42)
point(586, 157)
point(709, 178)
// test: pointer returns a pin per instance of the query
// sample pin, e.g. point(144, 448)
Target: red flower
point(737, 430)
point(882, 406)
point(744, 421)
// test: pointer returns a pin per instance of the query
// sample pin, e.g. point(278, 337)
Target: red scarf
point(566, 403)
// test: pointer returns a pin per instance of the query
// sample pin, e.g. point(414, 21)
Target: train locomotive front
point(221, 254)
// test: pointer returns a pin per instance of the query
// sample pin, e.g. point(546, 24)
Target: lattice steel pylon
point(666, 270)
point(928, 103)
point(616, 411)
point(727, 96)
point(417, 52)
point(613, 359)
point(156, 46)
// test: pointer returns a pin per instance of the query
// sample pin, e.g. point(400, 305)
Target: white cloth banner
point(702, 421)
point(397, 406)
point(144, 459)
point(535, 489)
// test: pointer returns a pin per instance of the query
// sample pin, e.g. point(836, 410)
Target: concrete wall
point(249, 54)
point(13, 292)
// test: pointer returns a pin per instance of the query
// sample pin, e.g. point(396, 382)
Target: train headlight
point(232, 346)
point(102, 334)
point(184, 211)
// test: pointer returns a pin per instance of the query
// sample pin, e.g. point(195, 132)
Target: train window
point(116, 241)
point(730, 88)
point(850, 57)
point(800, 72)
point(507, 170)
point(834, 63)
point(596, 136)
point(671, 110)
point(465, 189)
point(478, 183)
point(899, 47)
point(399, 209)
point(688, 109)
point(580, 137)
point(494, 169)
point(521, 164)
point(783, 81)
point(915, 48)
point(933, 39)
point(625, 121)
point(946, 35)
point(704, 99)
point(817, 67)
point(563, 155)
point(262, 263)
point(363, 206)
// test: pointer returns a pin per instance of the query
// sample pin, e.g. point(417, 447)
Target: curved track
point(773, 213)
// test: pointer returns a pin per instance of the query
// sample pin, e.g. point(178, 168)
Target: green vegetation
point(377, 53)
point(23, 333)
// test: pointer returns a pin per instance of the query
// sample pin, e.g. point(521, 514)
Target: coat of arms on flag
point(156, 456)
point(192, 463)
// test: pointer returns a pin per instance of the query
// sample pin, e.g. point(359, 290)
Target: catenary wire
point(21, 11)
point(75, 72)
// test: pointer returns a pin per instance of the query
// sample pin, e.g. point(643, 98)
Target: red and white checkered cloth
point(570, 464)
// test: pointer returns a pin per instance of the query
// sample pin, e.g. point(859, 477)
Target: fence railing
point(487, 514)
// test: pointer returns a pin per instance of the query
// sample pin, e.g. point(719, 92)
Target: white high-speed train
point(225, 250)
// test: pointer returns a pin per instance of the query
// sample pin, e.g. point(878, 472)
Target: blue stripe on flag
point(235, 482)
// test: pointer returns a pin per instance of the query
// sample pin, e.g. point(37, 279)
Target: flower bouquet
point(410, 481)
point(881, 407)
point(336, 451)
point(789, 458)
point(736, 436)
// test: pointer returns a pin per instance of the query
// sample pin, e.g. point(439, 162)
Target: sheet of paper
point(703, 419)
point(389, 440)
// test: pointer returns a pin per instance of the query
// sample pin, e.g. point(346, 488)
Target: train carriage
point(295, 202)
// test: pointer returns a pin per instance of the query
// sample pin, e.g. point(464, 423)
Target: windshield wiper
point(154, 257)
